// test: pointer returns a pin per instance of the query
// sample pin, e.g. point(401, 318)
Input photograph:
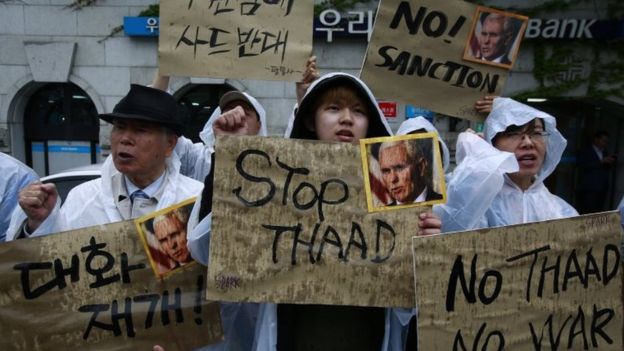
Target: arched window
point(198, 102)
point(61, 128)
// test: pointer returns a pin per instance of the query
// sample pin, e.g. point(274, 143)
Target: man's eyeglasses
point(534, 135)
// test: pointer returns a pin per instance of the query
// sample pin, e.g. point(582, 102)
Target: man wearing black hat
point(139, 177)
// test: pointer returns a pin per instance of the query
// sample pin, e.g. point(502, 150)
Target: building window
point(61, 128)
point(198, 102)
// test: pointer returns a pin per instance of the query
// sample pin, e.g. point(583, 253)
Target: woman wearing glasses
point(499, 181)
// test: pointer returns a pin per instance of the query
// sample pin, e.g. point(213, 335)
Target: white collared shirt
point(421, 198)
point(149, 190)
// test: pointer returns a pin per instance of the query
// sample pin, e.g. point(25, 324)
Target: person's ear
point(171, 140)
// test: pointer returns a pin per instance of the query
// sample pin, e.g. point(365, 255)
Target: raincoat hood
point(207, 135)
point(377, 127)
point(418, 123)
point(507, 112)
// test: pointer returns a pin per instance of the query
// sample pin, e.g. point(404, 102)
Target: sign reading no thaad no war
point(93, 289)
point(291, 225)
point(268, 40)
point(419, 47)
point(553, 285)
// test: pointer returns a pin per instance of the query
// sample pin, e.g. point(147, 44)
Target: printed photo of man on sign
point(163, 234)
point(403, 171)
point(495, 38)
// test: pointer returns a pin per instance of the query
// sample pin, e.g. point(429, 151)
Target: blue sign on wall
point(141, 26)
point(412, 111)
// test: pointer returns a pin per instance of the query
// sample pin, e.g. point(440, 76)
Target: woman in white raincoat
point(499, 181)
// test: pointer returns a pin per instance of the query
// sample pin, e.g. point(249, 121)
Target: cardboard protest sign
point(419, 47)
point(93, 289)
point(290, 225)
point(544, 286)
point(268, 40)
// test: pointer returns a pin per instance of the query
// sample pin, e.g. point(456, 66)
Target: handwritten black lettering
point(573, 270)
point(59, 276)
point(458, 342)
point(457, 274)
point(456, 74)
point(247, 176)
point(434, 23)
point(576, 327)
point(385, 237)
point(99, 321)
point(304, 197)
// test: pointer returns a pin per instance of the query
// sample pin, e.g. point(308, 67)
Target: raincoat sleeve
point(194, 157)
point(198, 238)
point(15, 177)
point(53, 224)
point(397, 328)
point(474, 184)
point(266, 328)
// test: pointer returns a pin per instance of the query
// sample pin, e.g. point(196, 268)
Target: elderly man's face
point(171, 234)
point(399, 173)
point(139, 149)
point(492, 39)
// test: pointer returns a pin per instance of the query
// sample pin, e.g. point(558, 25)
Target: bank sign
point(331, 24)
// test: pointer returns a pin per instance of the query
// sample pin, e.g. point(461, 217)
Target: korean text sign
point(93, 289)
point(419, 47)
point(249, 39)
point(290, 225)
point(552, 285)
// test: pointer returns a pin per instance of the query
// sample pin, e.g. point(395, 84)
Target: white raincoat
point(92, 203)
point(196, 157)
point(481, 195)
point(236, 318)
point(266, 330)
point(15, 176)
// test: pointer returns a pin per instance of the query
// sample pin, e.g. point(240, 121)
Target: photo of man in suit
point(495, 38)
point(406, 171)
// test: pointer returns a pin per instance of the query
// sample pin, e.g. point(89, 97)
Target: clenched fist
point(37, 200)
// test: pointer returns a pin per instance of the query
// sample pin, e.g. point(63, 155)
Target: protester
point(139, 177)
point(496, 38)
point(407, 171)
point(595, 165)
point(337, 107)
point(499, 181)
point(15, 176)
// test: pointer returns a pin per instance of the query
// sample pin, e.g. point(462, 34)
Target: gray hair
point(180, 214)
point(415, 149)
